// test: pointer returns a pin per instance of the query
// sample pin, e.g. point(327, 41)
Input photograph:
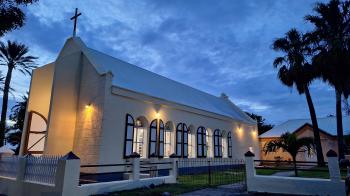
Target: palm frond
point(15, 54)
point(289, 142)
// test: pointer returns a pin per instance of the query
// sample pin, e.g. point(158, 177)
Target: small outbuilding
point(303, 128)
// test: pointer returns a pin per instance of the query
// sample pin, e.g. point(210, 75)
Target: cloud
point(216, 47)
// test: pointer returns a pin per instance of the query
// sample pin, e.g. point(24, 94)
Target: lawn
point(173, 189)
point(320, 174)
point(267, 172)
point(188, 183)
point(306, 174)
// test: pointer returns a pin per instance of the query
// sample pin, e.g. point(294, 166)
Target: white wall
point(39, 95)
point(90, 112)
point(62, 117)
point(296, 185)
point(120, 102)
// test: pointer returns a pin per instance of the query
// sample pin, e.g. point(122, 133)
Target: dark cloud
point(216, 46)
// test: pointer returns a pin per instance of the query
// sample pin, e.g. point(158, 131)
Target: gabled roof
point(134, 78)
point(327, 124)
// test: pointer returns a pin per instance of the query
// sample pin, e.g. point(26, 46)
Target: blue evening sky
point(216, 46)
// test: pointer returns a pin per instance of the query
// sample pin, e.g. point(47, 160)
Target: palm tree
point(295, 70)
point(14, 56)
point(289, 142)
point(2, 78)
point(17, 115)
point(331, 37)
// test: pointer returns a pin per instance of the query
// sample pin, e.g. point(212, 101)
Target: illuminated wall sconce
point(88, 106)
point(254, 133)
point(157, 115)
point(239, 130)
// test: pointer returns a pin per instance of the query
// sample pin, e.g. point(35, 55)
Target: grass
point(173, 189)
point(305, 174)
point(267, 172)
point(217, 178)
point(188, 183)
point(319, 174)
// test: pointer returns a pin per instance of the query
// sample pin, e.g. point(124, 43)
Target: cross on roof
point(75, 18)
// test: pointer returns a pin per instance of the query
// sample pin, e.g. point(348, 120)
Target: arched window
point(168, 149)
point(152, 150)
point(161, 139)
point(129, 135)
point(217, 143)
point(36, 133)
point(156, 139)
point(182, 140)
point(201, 142)
point(229, 145)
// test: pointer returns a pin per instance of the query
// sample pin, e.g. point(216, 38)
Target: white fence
point(296, 185)
point(53, 175)
point(41, 169)
point(9, 166)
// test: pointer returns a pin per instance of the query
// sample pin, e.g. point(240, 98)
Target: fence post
point(22, 161)
point(173, 171)
point(21, 170)
point(68, 174)
point(250, 168)
point(135, 168)
point(333, 166)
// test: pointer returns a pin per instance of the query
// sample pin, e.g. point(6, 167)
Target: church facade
point(106, 110)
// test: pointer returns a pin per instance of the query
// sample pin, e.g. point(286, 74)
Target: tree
point(2, 78)
point(262, 125)
point(289, 142)
point(295, 70)
point(14, 56)
point(346, 107)
point(11, 16)
point(331, 39)
point(17, 115)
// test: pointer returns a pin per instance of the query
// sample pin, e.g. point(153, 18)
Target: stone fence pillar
point(333, 166)
point(135, 168)
point(249, 164)
point(174, 169)
point(22, 161)
point(68, 174)
point(250, 168)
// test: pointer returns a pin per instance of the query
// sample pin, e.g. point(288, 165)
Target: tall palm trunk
point(339, 116)
point(5, 104)
point(295, 166)
point(316, 130)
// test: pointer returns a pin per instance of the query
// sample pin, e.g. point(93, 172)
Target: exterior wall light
point(88, 106)
point(157, 115)
point(254, 133)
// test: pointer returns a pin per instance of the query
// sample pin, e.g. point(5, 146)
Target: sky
point(219, 46)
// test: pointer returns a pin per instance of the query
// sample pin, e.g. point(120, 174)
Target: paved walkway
point(214, 191)
point(223, 190)
point(285, 174)
point(228, 190)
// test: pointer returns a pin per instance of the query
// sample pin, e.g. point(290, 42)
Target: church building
point(106, 110)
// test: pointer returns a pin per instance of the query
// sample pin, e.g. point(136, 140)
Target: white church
point(106, 110)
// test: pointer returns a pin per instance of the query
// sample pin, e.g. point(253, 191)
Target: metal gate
point(224, 172)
